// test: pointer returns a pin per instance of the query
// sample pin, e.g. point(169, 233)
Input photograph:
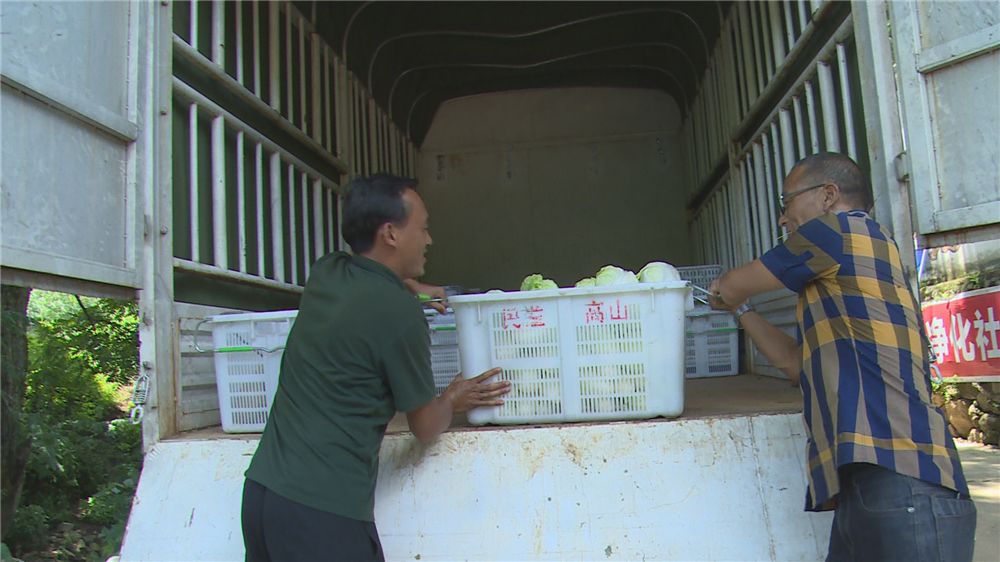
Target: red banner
point(965, 334)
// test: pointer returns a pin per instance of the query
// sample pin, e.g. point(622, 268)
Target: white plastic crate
point(248, 350)
point(578, 354)
point(444, 348)
point(712, 345)
point(445, 362)
point(700, 275)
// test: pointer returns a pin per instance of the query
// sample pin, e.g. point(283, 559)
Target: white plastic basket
point(248, 349)
point(711, 345)
point(578, 354)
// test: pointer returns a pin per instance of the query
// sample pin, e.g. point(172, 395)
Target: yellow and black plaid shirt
point(864, 378)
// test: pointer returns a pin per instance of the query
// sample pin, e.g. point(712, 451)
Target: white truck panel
point(699, 489)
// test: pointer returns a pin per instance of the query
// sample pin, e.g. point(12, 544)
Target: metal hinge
point(902, 164)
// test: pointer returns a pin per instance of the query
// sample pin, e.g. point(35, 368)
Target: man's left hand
point(432, 291)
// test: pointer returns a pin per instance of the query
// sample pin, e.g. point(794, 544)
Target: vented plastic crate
point(700, 275)
point(578, 354)
point(444, 349)
point(248, 350)
point(711, 345)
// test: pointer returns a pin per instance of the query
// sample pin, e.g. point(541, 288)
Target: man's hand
point(715, 299)
point(429, 420)
point(466, 394)
point(432, 291)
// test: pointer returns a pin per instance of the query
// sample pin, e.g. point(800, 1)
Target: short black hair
point(840, 169)
point(371, 202)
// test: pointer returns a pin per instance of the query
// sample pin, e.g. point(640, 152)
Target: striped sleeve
point(814, 250)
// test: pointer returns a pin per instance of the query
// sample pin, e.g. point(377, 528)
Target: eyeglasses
point(784, 198)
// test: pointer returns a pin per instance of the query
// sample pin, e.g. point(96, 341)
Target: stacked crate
point(445, 362)
point(711, 343)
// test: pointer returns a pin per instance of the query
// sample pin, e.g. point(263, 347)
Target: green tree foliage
point(85, 457)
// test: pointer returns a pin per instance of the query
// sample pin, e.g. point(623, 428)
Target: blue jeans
point(883, 515)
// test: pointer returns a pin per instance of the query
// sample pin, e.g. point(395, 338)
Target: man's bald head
point(839, 169)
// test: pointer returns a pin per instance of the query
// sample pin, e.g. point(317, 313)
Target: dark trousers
point(279, 529)
point(883, 515)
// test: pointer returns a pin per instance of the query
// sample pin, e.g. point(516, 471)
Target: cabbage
point(656, 271)
point(531, 282)
point(626, 278)
point(547, 284)
point(493, 291)
point(614, 275)
point(586, 282)
point(536, 282)
point(607, 275)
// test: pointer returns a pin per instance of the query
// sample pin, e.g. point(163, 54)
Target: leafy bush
point(85, 457)
point(31, 527)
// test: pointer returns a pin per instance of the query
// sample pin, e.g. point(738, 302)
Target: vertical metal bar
point(277, 226)
point(341, 111)
point(303, 114)
point(193, 28)
point(361, 122)
point(256, 47)
point(828, 100)
point(800, 132)
point(769, 191)
point(748, 63)
point(760, 188)
point(813, 123)
point(765, 40)
point(331, 230)
point(317, 90)
point(732, 187)
point(328, 88)
point(307, 228)
point(239, 41)
point(293, 230)
point(743, 168)
point(219, 34)
point(722, 227)
point(741, 81)
point(778, 149)
point(219, 230)
point(377, 152)
point(789, 25)
point(729, 71)
point(317, 197)
point(373, 153)
point(777, 38)
point(814, 5)
point(241, 206)
point(750, 203)
point(845, 94)
point(338, 207)
point(787, 143)
point(258, 163)
point(193, 180)
point(713, 213)
point(744, 200)
point(289, 75)
point(394, 149)
point(274, 57)
point(755, 38)
point(804, 16)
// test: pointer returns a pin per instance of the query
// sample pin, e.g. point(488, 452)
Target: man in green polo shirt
point(358, 353)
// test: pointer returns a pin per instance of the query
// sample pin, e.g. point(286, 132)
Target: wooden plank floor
point(703, 398)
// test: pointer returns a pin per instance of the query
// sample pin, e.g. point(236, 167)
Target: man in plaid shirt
point(879, 451)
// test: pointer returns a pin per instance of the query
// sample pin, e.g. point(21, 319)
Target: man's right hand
point(466, 394)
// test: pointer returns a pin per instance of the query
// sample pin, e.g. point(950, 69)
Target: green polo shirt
point(359, 351)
